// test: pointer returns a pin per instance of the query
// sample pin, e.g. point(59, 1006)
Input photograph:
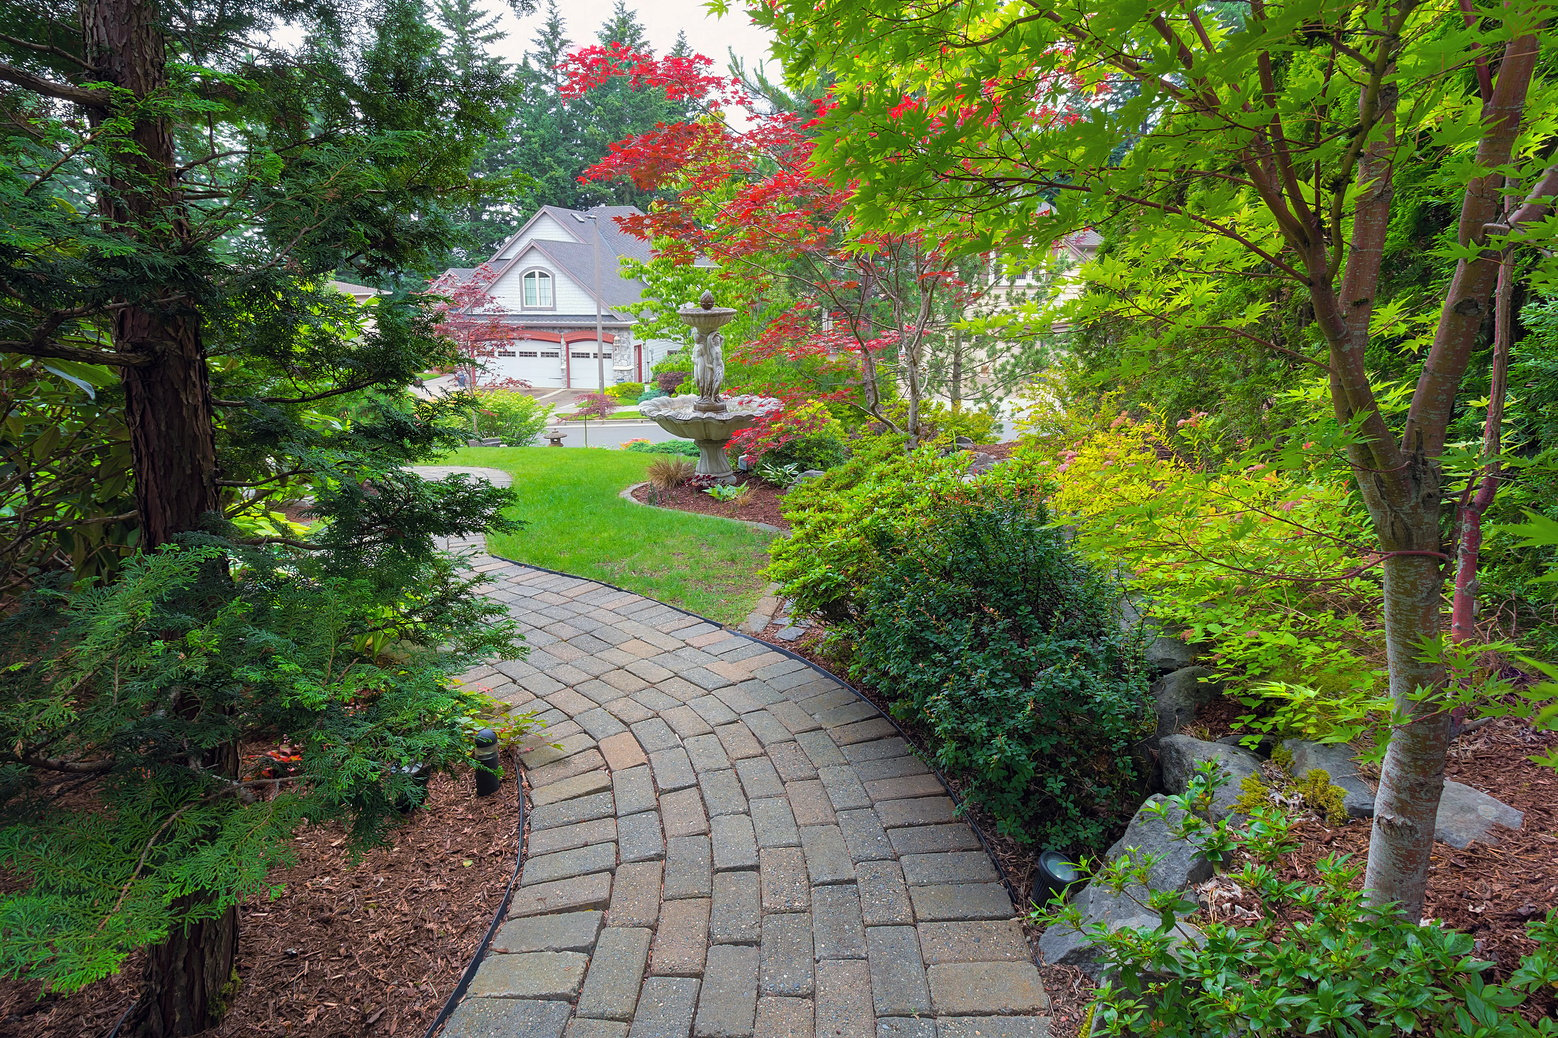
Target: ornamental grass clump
point(987, 633)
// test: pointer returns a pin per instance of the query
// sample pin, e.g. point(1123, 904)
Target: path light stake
point(1056, 873)
point(489, 768)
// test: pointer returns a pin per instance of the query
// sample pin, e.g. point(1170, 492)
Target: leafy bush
point(669, 473)
point(806, 435)
point(625, 390)
point(652, 393)
point(673, 371)
point(845, 522)
point(685, 448)
point(515, 418)
point(988, 633)
point(1313, 959)
point(943, 425)
point(1263, 556)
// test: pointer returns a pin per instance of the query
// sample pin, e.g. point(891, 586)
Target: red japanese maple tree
point(470, 317)
point(749, 199)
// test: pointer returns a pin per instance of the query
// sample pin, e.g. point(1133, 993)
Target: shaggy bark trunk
point(172, 435)
point(188, 977)
point(168, 397)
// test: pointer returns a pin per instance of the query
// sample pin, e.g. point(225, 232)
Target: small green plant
point(1313, 959)
point(625, 390)
point(727, 492)
point(781, 476)
point(669, 473)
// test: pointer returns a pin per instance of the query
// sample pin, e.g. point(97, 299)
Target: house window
point(549, 353)
point(583, 356)
point(505, 353)
point(527, 353)
point(538, 289)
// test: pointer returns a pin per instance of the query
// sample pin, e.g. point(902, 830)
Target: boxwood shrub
point(987, 633)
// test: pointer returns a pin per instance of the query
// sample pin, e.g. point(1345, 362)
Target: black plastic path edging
point(497, 917)
point(957, 800)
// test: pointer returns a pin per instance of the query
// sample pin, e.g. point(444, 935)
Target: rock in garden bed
point(347, 951)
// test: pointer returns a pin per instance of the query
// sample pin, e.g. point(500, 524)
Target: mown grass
point(578, 523)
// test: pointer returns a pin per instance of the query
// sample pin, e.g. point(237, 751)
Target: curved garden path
point(727, 842)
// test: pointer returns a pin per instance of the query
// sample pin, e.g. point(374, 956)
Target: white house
point(555, 281)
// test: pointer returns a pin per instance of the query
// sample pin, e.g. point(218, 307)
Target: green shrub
point(685, 448)
point(840, 522)
point(624, 390)
point(808, 436)
point(515, 418)
point(1312, 959)
point(652, 393)
point(990, 635)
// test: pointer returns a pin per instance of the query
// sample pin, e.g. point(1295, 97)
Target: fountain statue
point(707, 418)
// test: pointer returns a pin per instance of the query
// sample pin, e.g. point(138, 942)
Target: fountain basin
point(710, 431)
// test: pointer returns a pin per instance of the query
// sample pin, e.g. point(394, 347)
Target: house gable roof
point(575, 258)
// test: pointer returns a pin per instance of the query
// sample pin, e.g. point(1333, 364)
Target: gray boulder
point(1179, 862)
point(1467, 814)
point(810, 474)
point(1180, 754)
point(1065, 945)
point(1166, 654)
point(982, 462)
point(1335, 759)
point(1178, 695)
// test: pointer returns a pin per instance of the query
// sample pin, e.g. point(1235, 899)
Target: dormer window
point(538, 290)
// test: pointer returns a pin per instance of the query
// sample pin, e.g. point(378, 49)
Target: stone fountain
point(707, 418)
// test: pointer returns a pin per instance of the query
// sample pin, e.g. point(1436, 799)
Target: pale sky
point(662, 20)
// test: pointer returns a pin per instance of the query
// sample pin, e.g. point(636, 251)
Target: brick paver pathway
point(728, 843)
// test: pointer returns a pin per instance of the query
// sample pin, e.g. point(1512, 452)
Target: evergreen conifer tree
point(179, 190)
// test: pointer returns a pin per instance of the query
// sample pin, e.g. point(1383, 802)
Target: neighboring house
point(543, 281)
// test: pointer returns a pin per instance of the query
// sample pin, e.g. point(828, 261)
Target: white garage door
point(539, 363)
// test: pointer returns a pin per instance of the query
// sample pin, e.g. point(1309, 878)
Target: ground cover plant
point(577, 522)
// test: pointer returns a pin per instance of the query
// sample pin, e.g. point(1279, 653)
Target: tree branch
point(98, 99)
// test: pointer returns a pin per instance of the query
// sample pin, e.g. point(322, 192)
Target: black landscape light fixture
point(489, 769)
point(1056, 873)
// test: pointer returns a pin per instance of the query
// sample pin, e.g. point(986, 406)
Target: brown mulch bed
point(760, 505)
point(347, 951)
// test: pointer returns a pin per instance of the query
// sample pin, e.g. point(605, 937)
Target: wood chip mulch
point(365, 950)
point(760, 505)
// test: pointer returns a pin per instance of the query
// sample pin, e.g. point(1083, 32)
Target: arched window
point(538, 289)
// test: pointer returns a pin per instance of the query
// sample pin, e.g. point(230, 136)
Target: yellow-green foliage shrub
point(1262, 556)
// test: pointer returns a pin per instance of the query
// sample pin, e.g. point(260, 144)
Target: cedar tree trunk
point(172, 431)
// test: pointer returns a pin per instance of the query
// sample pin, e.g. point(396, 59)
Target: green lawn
point(578, 524)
